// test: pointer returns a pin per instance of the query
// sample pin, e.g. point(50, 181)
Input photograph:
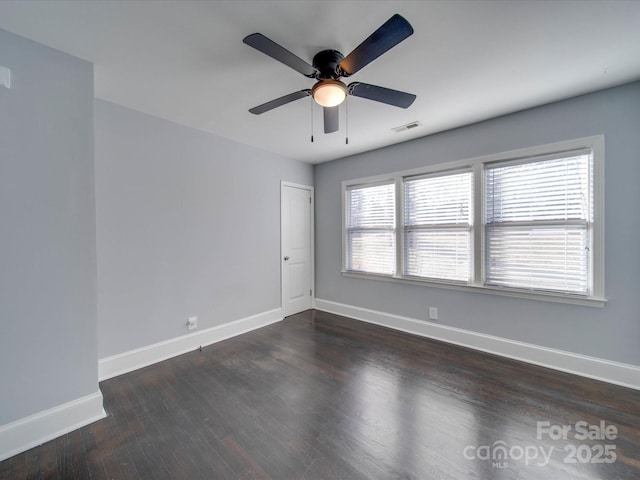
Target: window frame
point(543, 223)
point(478, 261)
point(469, 227)
point(347, 230)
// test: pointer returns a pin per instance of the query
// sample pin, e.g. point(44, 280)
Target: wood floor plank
point(319, 396)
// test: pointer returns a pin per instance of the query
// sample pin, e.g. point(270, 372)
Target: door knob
point(286, 258)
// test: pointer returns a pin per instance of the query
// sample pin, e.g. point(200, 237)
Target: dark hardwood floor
point(319, 396)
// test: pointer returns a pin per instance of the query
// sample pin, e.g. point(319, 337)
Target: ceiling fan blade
point(278, 102)
point(331, 119)
point(381, 94)
point(391, 33)
point(271, 48)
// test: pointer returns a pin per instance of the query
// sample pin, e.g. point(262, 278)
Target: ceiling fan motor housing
point(326, 63)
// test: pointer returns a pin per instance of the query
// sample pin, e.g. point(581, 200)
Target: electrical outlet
point(433, 313)
point(192, 323)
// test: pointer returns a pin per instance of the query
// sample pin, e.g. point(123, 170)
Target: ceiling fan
point(329, 66)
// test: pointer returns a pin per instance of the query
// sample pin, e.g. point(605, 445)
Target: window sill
point(542, 296)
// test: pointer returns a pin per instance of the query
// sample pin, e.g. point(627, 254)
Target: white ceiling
point(467, 61)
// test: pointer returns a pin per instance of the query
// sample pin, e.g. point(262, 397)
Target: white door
point(297, 248)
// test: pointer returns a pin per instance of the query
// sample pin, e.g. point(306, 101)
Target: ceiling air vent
point(407, 126)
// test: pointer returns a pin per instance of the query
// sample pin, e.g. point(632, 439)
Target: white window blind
point(538, 217)
point(437, 227)
point(370, 227)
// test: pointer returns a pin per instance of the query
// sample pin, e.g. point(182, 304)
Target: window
point(371, 239)
point(538, 222)
point(523, 223)
point(437, 226)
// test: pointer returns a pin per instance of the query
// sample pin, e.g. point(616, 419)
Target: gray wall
point(48, 324)
point(188, 223)
point(612, 332)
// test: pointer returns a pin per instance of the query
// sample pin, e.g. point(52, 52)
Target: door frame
point(312, 248)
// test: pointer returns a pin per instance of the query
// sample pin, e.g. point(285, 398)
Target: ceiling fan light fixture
point(329, 93)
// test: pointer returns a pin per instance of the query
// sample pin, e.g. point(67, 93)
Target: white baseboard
point(34, 430)
point(609, 371)
point(115, 365)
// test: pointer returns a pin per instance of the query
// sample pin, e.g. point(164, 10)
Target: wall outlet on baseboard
point(433, 313)
point(192, 323)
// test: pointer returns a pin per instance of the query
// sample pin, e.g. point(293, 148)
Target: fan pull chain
point(311, 118)
point(346, 106)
